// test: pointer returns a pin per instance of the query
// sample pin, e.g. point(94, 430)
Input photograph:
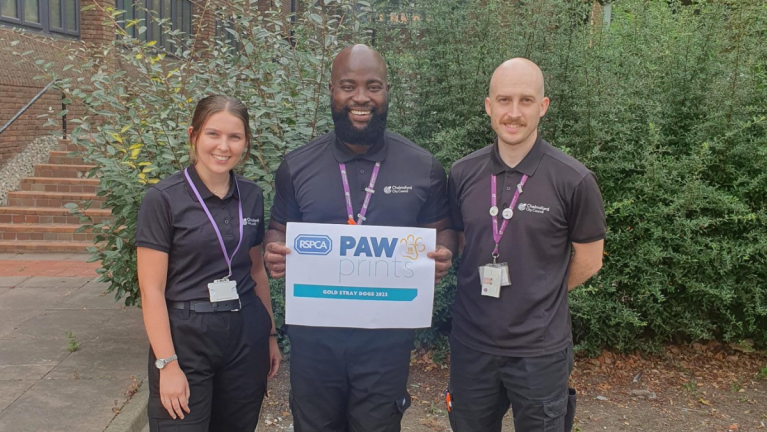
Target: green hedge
point(667, 105)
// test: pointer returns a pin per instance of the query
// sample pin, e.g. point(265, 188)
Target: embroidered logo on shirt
point(530, 208)
point(249, 221)
point(397, 189)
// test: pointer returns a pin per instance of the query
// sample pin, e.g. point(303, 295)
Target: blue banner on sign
point(355, 293)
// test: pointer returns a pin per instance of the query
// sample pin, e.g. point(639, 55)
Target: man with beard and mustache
point(533, 225)
point(351, 379)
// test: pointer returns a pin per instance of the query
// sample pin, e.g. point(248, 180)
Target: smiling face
point(219, 144)
point(359, 95)
point(516, 102)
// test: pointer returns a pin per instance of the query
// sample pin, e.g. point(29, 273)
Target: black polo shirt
point(560, 204)
point(410, 190)
point(172, 220)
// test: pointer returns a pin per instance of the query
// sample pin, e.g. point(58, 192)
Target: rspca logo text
point(313, 244)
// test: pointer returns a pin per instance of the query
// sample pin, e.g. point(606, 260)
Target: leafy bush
point(667, 106)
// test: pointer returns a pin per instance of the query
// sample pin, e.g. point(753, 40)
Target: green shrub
point(667, 106)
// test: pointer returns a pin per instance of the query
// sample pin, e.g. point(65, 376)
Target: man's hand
point(274, 258)
point(443, 259)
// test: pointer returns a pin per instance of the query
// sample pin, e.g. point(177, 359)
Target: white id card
point(223, 290)
point(505, 280)
point(491, 281)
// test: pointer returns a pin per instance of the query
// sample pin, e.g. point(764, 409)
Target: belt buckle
point(239, 302)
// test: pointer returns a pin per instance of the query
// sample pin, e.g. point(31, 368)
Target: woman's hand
point(275, 357)
point(174, 390)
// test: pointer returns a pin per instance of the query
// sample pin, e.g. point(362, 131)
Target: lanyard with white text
point(369, 192)
point(213, 222)
point(508, 213)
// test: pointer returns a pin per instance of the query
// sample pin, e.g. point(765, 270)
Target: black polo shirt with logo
point(560, 204)
point(172, 220)
point(410, 189)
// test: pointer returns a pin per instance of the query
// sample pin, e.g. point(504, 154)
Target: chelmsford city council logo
point(522, 206)
point(313, 244)
point(397, 189)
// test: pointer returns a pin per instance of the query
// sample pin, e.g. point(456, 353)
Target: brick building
point(32, 216)
point(49, 26)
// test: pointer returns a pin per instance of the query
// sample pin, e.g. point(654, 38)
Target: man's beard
point(369, 135)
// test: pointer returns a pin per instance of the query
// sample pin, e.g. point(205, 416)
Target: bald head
point(519, 72)
point(516, 102)
point(355, 58)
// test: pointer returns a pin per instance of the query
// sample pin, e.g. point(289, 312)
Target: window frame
point(176, 22)
point(44, 13)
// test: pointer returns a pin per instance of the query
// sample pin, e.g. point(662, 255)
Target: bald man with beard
point(353, 379)
point(531, 228)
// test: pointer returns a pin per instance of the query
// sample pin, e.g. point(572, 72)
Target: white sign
point(359, 276)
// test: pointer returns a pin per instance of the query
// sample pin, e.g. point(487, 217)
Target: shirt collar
point(527, 166)
point(376, 153)
point(205, 193)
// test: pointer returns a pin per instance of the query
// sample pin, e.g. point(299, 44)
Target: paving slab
point(122, 323)
point(105, 359)
point(11, 281)
point(65, 405)
point(55, 325)
point(11, 390)
point(11, 319)
point(48, 282)
point(90, 296)
point(26, 298)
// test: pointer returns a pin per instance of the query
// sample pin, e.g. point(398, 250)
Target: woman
point(204, 292)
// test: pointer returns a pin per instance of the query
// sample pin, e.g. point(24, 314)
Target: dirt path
point(694, 388)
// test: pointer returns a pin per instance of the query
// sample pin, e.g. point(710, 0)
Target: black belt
point(204, 306)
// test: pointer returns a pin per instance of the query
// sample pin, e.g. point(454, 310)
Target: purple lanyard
point(498, 233)
point(213, 222)
point(369, 193)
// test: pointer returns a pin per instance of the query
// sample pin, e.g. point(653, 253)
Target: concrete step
point(68, 171)
point(60, 184)
point(47, 232)
point(50, 199)
point(63, 158)
point(15, 246)
point(49, 215)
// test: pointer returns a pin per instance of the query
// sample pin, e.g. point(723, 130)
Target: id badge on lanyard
point(495, 275)
point(221, 289)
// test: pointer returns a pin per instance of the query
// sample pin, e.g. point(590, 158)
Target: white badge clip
point(223, 290)
point(491, 281)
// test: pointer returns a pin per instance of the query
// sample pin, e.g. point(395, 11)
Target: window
point(177, 12)
point(50, 16)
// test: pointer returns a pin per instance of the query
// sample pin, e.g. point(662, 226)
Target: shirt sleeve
point(285, 207)
point(587, 213)
point(436, 206)
point(455, 203)
point(154, 226)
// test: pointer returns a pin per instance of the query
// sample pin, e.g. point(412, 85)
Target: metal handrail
point(23, 109)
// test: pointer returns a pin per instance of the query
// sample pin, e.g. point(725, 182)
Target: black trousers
point(482, 386)
point(225, 356)
point(351, 380)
